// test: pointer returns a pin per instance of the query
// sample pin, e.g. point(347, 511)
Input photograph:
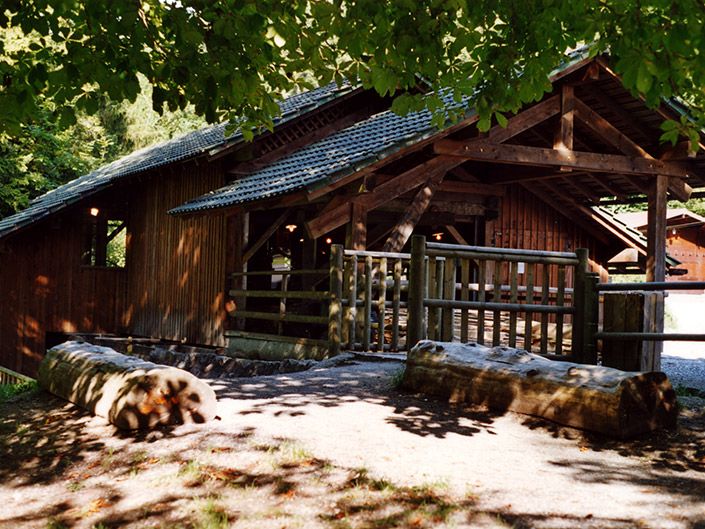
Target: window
point(106, 241)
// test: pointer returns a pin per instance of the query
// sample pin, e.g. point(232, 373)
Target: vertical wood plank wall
point(528, 223)
point(44, 289)
point(176, 266)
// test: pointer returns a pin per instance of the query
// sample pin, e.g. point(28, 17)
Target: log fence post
point(335, 309)
point(586, 302)
point(417, 276)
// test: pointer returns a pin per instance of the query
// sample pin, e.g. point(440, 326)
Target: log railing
point(435, 299)
point(10, 377)
point(633, 323)
point(373, 292)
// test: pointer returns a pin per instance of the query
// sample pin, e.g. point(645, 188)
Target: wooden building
point(339, 167)
point(685, 239)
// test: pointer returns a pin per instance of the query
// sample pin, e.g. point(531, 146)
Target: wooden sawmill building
point(339, 167)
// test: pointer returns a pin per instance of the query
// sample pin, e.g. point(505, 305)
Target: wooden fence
point(385, 301)
point(436, 296)
point(10, 377)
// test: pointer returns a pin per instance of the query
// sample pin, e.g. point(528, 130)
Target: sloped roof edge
point(182, 148)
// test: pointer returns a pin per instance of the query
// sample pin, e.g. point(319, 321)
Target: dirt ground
point(341, 448)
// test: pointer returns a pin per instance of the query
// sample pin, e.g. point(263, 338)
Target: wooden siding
point(526, 222)
point(688, 246)
point(46, 289)
point(176, 265)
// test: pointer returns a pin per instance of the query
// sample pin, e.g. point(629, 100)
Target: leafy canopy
point(237, 57)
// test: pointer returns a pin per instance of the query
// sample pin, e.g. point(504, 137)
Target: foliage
point(8, 391)
point(233, 58)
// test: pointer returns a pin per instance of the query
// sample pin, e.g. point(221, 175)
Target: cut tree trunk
point(129, 392)
point(596, 398)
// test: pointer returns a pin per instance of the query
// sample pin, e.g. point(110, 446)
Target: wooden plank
point(381, 302)
point(656, 230)
point(537, 156)
point(382, 194)
point(546, 280)
point(265, 236)
point(464, 296)
point(403, 228)
point(367, 327)
point(481, 297)
point(528, 317)
point(396, 304)
point(497, 298)
point(431, 285)
point(560, 302)
point(449, 273)
point(352, 299)
point(335, 309)
point(283, 293)
point(513, 298)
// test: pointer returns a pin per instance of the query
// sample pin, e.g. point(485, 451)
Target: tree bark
point(129, 392)
point(596, 398)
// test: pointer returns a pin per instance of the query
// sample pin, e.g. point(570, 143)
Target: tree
point(236, 58)
point(42, 155)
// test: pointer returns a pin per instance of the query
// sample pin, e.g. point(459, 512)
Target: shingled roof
point(178, 149)
point(342, 153)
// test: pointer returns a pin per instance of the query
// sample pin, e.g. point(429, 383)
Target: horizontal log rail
point(651, 336)
point(501, 307)
point(653, 286)
point(289, 318)
point(10, 377)
point(288, 294)
point(321, 272)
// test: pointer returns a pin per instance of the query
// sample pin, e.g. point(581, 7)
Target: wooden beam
point(656, 230)
point(587, 161)
point(358, 226)
point(405, 226)
point(456, 235)
point(564, 134)
point(620, 141)
point(383, 193)
point(525, 120)
point(471, 188)
point(265, 236)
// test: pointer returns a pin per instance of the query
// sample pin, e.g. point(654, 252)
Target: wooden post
point(239, 234)
point(656, 231)
point(417, 275)
point(656, 261)
point(448, 317)
point(357, 228)
point(335, 310)
point(580, 318)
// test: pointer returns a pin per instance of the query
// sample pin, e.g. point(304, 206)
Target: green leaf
point(644, 79)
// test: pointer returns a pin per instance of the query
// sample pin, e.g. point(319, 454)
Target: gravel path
point(553, 476)
point(491, 471)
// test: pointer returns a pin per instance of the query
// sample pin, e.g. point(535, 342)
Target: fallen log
point(595, 398)
point(129, 392)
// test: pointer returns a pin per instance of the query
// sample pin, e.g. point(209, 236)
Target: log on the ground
point(129, 392)
point(595, 398)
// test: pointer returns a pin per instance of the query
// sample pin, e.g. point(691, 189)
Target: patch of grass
point(53, 523)
point(75, 486)
point(108, 459)
point(212, 516)
point(8, 391)
point(684, 391)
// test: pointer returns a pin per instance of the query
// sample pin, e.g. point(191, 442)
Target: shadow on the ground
point(370, 382)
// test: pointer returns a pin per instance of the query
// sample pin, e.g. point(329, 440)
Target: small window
point(106, 241)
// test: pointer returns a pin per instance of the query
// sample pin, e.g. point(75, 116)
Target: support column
point(655, 271)
point(239, 236)
point(356, 237)
point(656, 231)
